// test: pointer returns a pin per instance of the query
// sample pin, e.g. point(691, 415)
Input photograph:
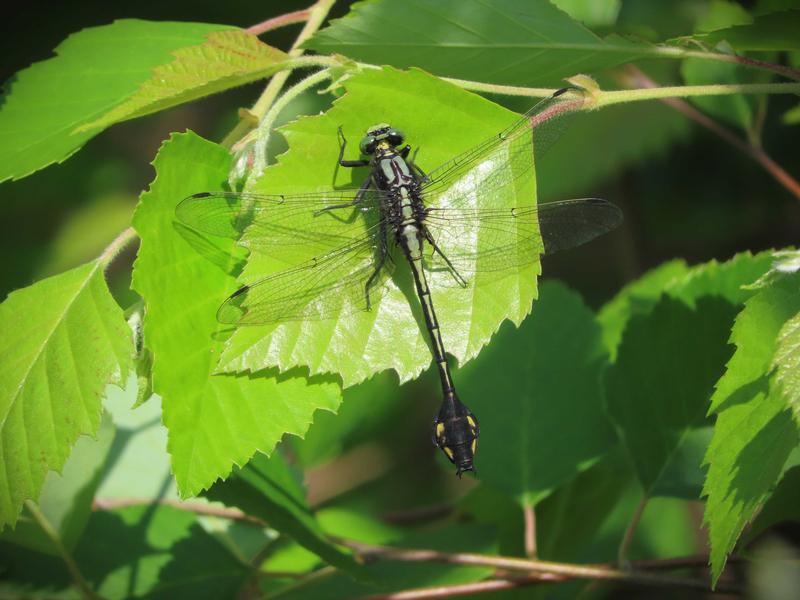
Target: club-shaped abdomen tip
point(457, 436)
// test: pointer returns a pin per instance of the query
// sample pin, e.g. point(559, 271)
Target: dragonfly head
point(455, 431)
point(381, 136)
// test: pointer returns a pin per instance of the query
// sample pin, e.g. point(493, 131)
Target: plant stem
point(752, 150)
point(118, 244)
point(527, 566)
point(291, 18)
point(55, 538)
point(630, 530)
point(197, 508)
point(607, 98)
point(316, 16)
point(675, 52)
point(530, 530)
point(262, 134)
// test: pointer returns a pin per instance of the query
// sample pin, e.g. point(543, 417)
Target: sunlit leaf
point(224, 60)
point(214, 421)
point(441, 120)
point(93, 71)
point(787, 362)
point(64, 338)
point(518, 42)
point(66, 498)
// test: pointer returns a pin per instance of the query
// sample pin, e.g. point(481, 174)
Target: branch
point(627, 538)
point(298, 16)
point(53, 535)
point(757, 153)
point(529, 567)
point(317, 15)
point(113, 250)
point(198, 508)
point(530, 530)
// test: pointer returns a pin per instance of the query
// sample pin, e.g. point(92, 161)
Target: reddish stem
point(298, 16)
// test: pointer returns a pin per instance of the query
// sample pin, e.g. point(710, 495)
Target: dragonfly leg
point(384, 252)
point(412, 162)
point(453, 271)
point(342, 146)
point(359, 197)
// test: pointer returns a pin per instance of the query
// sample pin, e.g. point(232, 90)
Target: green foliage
point(66, 498)
point(94, 71)
point(53, 373)
point(772, 31)
point(224, 60)
point(659, 386)
point(267, 489)
point(407, 99)
point(754, 432)
point(215, 421)
point(509, 42)
point(552, 424)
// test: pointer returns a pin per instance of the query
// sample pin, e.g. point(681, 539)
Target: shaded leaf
point(143, 551)
point(66, 498)
point(64, 339)
point(265, 488)
point(516, 42)
point(224, 60)
point(214, 421)
point(591, 13)
point(772, 31)
point(546, 376)
point(659, 387)
point(781, 507)
point(93, 71)
point(356, 345)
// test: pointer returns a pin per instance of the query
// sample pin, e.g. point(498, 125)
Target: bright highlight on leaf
point(442, 121)
point(214, 421)
point(64, 339)
point(224, 60)
point(93, 71)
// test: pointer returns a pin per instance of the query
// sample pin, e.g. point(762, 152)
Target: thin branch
point(317, 15)
point(298, 16)
point(113, 250)
point(452, 591)
point(607, 98)
point(675, 52)
point(193, 507)
point(530, 530)
point(527, 566)
point(55, 538)
point(630, 530)
point(757, 153)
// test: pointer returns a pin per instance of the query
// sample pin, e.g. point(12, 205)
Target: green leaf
point(787, 361)
point(542, 379)
point(137, 552)
point(265, 488)
point(66, 498)
point(592, 13)
point(93, 72)
point(736, 109)
point(214, 421)
point(358, 345)
point(773, 31)
point(224, 60)
point(753, 436)
point(515, 42)
point(658, 389)
point(684, 473)
point(781, 507)
point(727, 280)
point(755, 334)
point(64, 339)
point(754, 433)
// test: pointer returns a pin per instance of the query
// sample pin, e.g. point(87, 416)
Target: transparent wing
point(332, 284)
point(490, 241)
point(278, 224)
point(542, 125)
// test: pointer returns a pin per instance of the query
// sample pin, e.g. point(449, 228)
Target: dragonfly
point(424, 215)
